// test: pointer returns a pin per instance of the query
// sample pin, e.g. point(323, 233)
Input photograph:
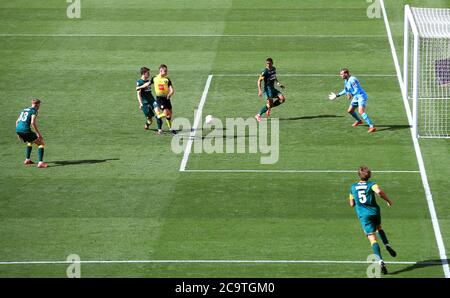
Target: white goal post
point(426, 70)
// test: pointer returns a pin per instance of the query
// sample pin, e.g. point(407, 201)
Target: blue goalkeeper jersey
point(352, 86)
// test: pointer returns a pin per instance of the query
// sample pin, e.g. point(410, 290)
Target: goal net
point(426, 77)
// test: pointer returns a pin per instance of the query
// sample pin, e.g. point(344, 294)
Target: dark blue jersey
point(146, 93)
point(269, 77)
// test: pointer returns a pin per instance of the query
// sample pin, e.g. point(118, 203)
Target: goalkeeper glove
point(332, 96)
point(281, 85)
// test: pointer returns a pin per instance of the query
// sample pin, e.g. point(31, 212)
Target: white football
point(209, 119)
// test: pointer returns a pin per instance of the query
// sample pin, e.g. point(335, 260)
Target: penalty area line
point(303, 75)
point(197, 120)
point(296, 171)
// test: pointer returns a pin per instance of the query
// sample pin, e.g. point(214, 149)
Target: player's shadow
point(392, 127)
point(60, 163)
point(224, 134)
point(310, 117)
point(419, 265)
point(245, 136)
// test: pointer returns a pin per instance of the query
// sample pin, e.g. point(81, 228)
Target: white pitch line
point(294, 171)
point(186, 35)
point(197, 120)
point(209, 261)
point(303, 75)
point(423, 173)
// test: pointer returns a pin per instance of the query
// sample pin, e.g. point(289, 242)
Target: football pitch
point(118, 196)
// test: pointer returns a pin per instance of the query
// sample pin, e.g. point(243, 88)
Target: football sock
point(376, 249)
point(367, 119)
point(28, 150)
point(354, 115)
point(383, 237)
point(169, 122)
point(41, 152)
point(263, 110)
point(148, 121)
point(160, 115)
point(159, 123)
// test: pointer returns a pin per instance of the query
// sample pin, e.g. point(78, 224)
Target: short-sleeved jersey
point(146, 93)
point(24, 120)
point(364, 196)
point(352, 85)
point(269, 77)
point(161, 85)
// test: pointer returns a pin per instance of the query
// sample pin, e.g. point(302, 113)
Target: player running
point(362, 195)
point(27, 120)
point(272, 96)
point(358, 98)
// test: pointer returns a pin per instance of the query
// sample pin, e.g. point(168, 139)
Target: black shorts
point(27, 137)
point(163, 103)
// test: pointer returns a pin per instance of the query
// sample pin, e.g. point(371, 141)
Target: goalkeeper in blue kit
point(358, 98)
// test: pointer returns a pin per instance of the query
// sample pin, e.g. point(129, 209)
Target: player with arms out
point(146, 100)
point(358, 98)
point(27, 120)
point(272, 96)
point(362, 197)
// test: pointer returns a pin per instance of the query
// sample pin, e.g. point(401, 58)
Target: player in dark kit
point(27, 120)
point(362, 197)
point(272, 96)
point(164, 91)
point(146, 100)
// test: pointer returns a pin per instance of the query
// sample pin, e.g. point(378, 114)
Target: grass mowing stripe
point(189, 35)
point(423, 173)
point(431, 263)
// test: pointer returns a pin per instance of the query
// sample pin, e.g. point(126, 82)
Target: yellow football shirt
point(161, 85)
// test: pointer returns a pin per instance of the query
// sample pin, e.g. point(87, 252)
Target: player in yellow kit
point(163, 92)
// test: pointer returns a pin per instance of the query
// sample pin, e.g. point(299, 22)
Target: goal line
point(421, 164)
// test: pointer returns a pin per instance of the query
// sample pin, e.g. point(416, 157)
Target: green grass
point(114, 191)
